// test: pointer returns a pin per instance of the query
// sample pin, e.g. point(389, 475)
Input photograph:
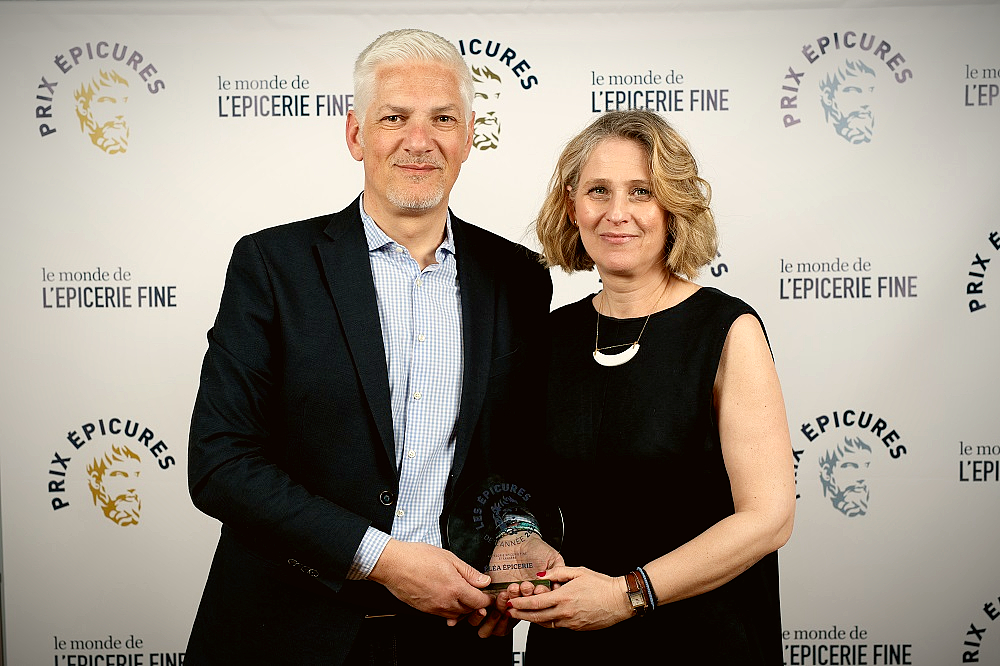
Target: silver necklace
point(621, 358)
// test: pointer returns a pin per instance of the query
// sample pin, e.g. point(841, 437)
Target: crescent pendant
point(611, 360)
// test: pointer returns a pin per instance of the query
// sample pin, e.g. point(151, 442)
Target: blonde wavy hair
point(692, 241)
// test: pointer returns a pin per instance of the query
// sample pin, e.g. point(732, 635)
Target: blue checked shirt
point(421, 315)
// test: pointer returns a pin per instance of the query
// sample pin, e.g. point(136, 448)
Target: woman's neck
point(626, 298)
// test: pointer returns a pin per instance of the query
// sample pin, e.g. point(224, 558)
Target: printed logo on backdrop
point(841, 645)
point(499, 73)
point(972, 650)
point(271, 95)
point(985, 87)
point(835, 644)
point(655, 87)
point(847, 445)
point(838, 456)
point(809, 279)
point(718, 267)
point(978, 462)
point(101, 77)
point(99, 471)
point(102, 289)
point(975, 290)
point(837, 82)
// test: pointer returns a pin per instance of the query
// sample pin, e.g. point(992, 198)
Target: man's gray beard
point(416, 202)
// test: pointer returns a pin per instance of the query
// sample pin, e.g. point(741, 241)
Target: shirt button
point(411, 454)
point(400, 513)
point(416, 396)
point(385, 497)
point(399, 249)
point(421, 337)
point(418, 282)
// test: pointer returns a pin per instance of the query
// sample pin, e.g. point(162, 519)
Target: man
point(846, 95)
point(364, 368)
point(844, 475)
point(114, 479)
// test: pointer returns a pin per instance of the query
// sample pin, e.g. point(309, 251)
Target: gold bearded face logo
point(486, 129)
point(100, 106)
point(114, 479)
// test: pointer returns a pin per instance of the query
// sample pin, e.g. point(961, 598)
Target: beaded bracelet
point(648, 588)
point(517, 522)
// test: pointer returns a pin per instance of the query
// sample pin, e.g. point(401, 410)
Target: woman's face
point(622, 227)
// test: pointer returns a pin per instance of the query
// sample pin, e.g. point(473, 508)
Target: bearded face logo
point(100, 107)
point(846, 95)
point(114, 480)
point(486, 128)
point(844, 474)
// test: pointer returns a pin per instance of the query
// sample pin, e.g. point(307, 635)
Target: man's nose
point(417, 138)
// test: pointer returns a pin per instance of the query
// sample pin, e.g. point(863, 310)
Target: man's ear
point(353, 136)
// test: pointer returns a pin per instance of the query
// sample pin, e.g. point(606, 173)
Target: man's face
point(105, 118)
point(118, 497)
point(852, 104)
point(850, 478)
point(415, 138)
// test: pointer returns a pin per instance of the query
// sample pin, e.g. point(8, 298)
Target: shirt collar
point(378, 239)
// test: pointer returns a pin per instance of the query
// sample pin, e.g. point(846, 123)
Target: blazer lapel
point(478, 295)
point(348, 274)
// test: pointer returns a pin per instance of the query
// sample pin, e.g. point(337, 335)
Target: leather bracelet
point(636, 597)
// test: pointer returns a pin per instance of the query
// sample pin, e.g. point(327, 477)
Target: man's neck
point(420, 232)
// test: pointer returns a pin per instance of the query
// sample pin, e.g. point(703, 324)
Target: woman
point(667, 441)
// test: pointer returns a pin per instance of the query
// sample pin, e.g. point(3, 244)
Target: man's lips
point(418, 169)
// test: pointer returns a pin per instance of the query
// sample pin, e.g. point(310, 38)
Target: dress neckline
point(687, 299)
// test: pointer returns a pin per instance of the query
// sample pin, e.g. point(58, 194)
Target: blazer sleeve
point(234, 469)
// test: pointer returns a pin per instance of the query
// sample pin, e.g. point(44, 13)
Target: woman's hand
point(524, 548)
point(581, 599)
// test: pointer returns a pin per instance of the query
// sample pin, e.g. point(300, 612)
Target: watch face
point(636, 599)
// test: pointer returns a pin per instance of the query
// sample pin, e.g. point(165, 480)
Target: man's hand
point(431, 579)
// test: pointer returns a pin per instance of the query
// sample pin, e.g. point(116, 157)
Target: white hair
point(401, 46)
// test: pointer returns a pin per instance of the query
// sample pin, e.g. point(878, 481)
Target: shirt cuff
point(372, 545)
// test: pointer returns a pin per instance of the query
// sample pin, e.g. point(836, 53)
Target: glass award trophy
point(505, 530)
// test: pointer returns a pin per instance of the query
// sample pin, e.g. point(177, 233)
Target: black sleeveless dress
point(633, 455)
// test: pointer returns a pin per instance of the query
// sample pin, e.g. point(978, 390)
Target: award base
point(506, 531)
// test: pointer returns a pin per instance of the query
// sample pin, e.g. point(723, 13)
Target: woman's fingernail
point(510, 604)
point(542, 573)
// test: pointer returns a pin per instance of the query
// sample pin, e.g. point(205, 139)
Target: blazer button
point(385, 497)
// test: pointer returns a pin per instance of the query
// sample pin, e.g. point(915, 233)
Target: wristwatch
point(635, 596)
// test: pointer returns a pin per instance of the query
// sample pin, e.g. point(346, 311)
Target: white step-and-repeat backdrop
point(854, 155)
